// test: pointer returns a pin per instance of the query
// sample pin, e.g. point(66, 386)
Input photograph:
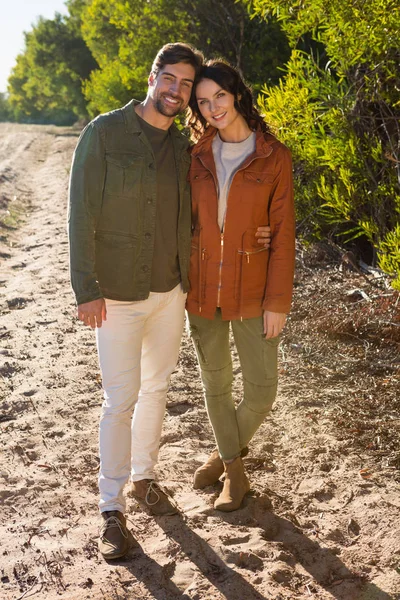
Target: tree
point(5, 110)
point(339, 113)
point(124, 38)
point(46, 82)
point(225, 28)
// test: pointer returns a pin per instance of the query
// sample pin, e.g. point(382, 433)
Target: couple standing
point(140, 251)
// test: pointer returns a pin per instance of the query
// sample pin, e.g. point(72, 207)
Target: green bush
point(338, 110)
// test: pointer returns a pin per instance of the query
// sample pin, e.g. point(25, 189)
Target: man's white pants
point(138, 348)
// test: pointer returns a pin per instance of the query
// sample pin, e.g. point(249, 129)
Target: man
point(129, 228)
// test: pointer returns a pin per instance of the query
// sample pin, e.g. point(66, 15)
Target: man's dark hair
point(179, 52)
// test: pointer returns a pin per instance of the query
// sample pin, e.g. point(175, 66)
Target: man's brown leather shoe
point(150, 496)
point(113, 539)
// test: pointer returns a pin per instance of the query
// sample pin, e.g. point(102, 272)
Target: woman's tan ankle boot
point(210, 472)
point(236, 486)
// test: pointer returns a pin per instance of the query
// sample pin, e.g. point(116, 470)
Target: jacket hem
point(227, 314)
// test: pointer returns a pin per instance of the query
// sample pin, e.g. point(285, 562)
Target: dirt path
point(323, 519)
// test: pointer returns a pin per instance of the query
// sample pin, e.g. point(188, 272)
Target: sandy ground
point(322, 520)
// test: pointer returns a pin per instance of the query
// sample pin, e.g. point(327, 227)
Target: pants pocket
point(195, 335)
point(270, 357)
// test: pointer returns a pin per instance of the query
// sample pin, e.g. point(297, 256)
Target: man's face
point(170, 90)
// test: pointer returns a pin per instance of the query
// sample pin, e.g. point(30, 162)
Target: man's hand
point(93, 313)
point(264, 235)
point(273, 323)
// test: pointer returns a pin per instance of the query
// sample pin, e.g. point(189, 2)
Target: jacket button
point(145, 268)
point(258, 179)
point(147, 236)
point(149, 201)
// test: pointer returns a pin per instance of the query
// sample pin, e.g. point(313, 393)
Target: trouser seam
point(262, 385)
point(216, 370)
point(264, 412)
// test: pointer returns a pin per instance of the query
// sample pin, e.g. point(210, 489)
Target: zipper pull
point(202, 254)
point(248, 258)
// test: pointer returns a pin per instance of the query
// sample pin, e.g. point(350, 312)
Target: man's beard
point(166, 111)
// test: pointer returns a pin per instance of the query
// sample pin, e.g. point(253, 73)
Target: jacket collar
point(264, 142)
point(133, 126)
point(130, 117)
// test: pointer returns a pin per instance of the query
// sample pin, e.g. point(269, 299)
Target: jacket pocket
point(123, 174)
point(199, 175)
point(198, 268)
point(115, 262)
point(256, 187)
point(251, 269)
point(258, 177)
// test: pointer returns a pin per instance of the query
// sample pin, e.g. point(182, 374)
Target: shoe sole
point(114, 557)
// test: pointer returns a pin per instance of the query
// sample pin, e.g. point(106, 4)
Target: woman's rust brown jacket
point(232, 270)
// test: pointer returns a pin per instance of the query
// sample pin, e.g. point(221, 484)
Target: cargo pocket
point(270, 358)
point(251, 268)
point(198, 268)
point(195, 335)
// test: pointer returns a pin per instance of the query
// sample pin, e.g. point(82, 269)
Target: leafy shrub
point(338, 110)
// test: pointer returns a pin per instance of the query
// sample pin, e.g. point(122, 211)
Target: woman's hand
point(264, 236)
point(273, 323)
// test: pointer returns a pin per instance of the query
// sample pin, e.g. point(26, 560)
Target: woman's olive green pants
point(234, 426)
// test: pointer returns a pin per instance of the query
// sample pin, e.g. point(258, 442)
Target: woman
point(241, 178)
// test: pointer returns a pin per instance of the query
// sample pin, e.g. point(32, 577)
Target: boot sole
point(197, 486)
point(236, 507)
point(222, 509)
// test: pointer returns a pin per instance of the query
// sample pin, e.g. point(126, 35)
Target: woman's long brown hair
point(229, 79)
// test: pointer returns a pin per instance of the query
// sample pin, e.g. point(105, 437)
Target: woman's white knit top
point(228, 156)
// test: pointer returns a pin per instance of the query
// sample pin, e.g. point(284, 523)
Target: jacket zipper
point(220, 268)
point(248, 253)
point(221, 258)
point(222, 246)
point(202, 257)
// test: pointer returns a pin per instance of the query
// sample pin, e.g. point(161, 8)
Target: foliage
point(339, 112)
point(5, 110)
point(124, 38)
point(46, 83)
point(227, 29)
point(100, 55)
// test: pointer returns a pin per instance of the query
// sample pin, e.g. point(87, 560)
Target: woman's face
point(216, 105)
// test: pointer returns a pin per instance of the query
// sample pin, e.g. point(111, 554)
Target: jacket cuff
point(87, 297)
point(276, 306)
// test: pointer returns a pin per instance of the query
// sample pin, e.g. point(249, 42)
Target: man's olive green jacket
point(112, 209)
